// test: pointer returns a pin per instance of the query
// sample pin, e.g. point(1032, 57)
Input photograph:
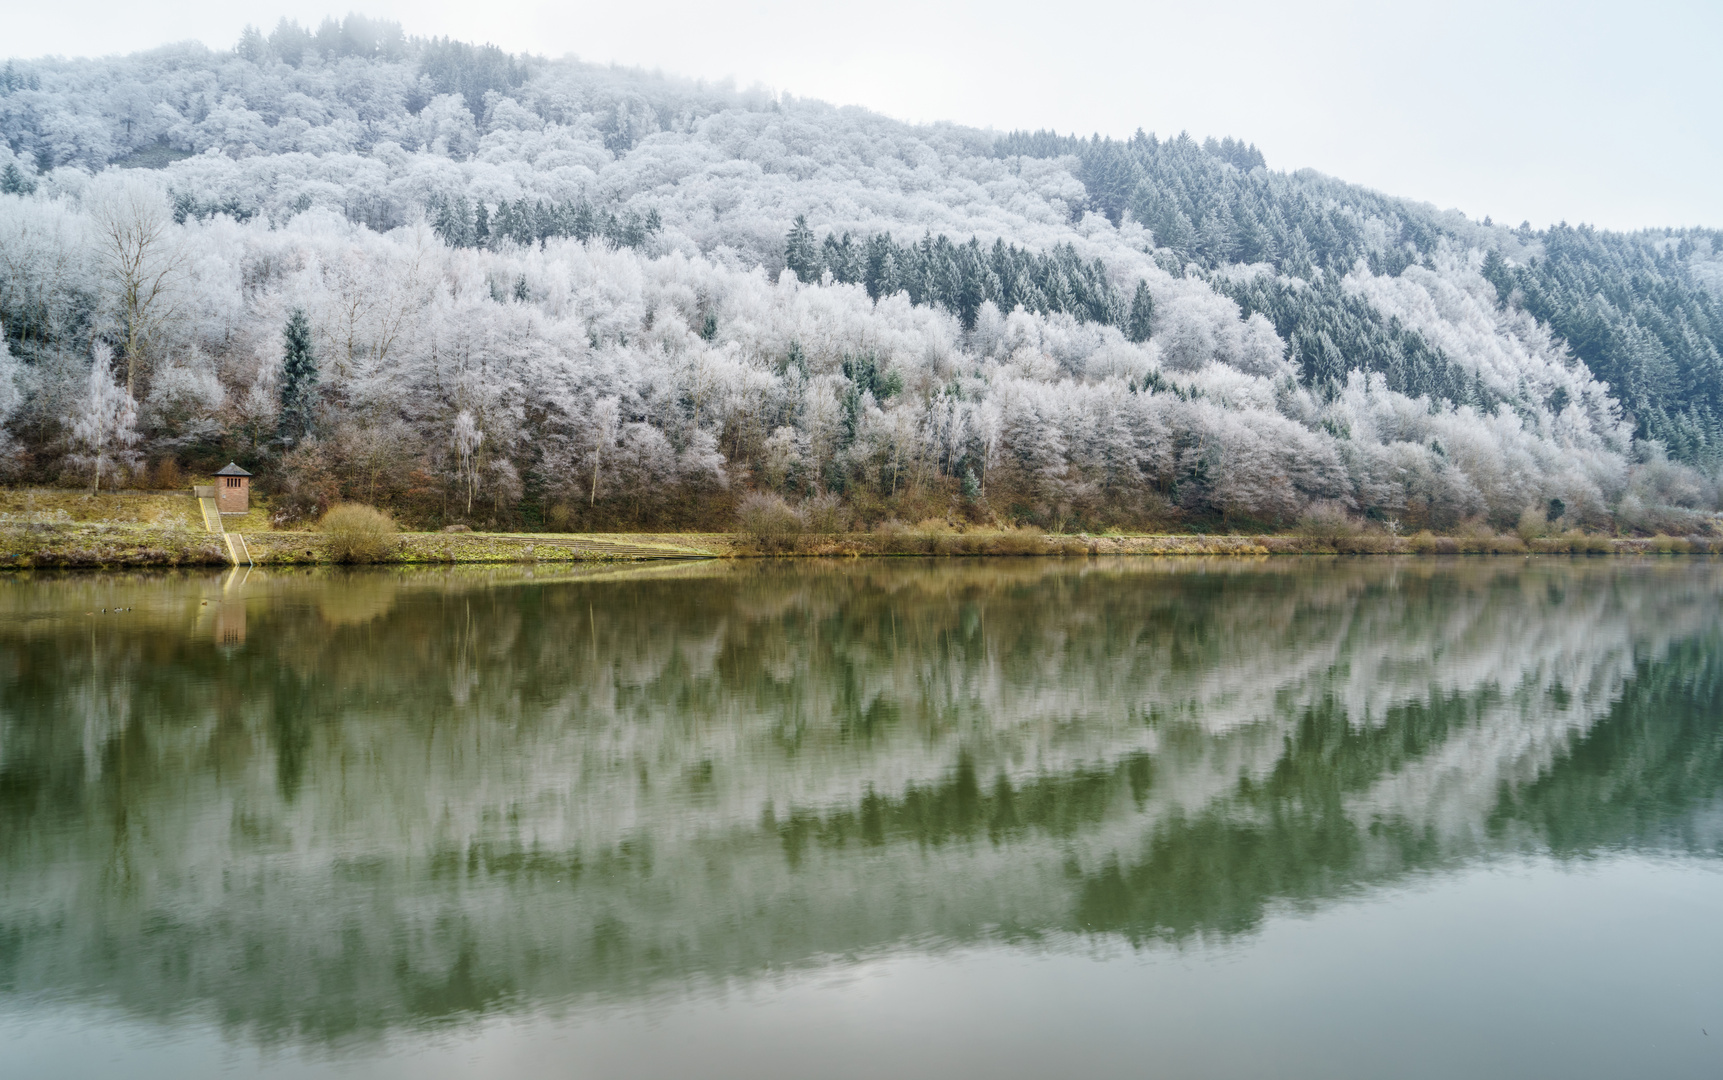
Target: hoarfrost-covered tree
point(141, 261)
point(10, 393)
point(104, 426)
point(606, 413)
point(466, 440)
point(11, 396)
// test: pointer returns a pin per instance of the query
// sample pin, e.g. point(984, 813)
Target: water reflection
point(325, 805)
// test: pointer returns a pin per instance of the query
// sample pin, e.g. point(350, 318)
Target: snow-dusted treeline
point(545, 291)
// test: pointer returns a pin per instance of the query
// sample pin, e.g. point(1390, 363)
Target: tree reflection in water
point(409, 798)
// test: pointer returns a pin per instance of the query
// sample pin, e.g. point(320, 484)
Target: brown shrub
point(354, 533)
point(826, 514)
point(167, 476)
point(1534, 523)
point(1328, 524)
point(769, 523)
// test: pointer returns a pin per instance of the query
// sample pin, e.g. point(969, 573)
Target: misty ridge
point(467, 285)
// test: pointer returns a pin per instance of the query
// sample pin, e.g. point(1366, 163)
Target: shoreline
point(49, 528)
point(105, 545)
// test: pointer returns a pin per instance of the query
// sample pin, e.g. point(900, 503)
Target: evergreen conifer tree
point(298, 381)
point(800, 254)
point(14, 182)
point(880, 274)
point(1176, 233)
point(1495, 271)
point(1141, 322)
point(969, 288)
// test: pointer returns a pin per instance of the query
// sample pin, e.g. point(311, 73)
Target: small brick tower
point(233, 490)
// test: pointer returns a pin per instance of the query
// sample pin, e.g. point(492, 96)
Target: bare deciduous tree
point(140, 260)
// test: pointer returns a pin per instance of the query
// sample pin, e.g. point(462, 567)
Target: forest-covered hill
point(469, 285)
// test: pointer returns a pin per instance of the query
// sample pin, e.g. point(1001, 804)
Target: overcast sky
point(1604, 113)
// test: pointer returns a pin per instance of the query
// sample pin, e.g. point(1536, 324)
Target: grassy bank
point(52, 528)
point(297, 548)
point(68, 544)
point(1014, 542)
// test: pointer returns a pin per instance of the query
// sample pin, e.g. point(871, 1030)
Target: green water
point(1038, 817)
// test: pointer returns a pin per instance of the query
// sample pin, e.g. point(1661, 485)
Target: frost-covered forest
point(471, 286)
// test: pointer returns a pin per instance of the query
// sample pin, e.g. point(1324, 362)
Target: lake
point(1290, 817)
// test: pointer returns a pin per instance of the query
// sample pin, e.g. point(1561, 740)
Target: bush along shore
point(48, 528)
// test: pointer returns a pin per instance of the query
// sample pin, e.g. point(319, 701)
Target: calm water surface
point(1272, 818)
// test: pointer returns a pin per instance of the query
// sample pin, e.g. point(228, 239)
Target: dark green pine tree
point(298, 382)
point(1496, 272)
point(482, 226)
point(880, 275)
point(800, 254)
point(1141, 321)
point(14, 182)
point(970, 288)
point(583, 222)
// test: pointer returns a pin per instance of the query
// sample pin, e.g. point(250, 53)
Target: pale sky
point(1577, 111)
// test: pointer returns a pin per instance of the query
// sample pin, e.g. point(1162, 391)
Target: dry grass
point(160, 509)
point(96, 545)
point(55, 527)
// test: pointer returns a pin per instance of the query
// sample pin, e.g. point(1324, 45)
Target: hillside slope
point(548, 292)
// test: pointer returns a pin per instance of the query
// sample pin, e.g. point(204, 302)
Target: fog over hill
point(544, 292)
